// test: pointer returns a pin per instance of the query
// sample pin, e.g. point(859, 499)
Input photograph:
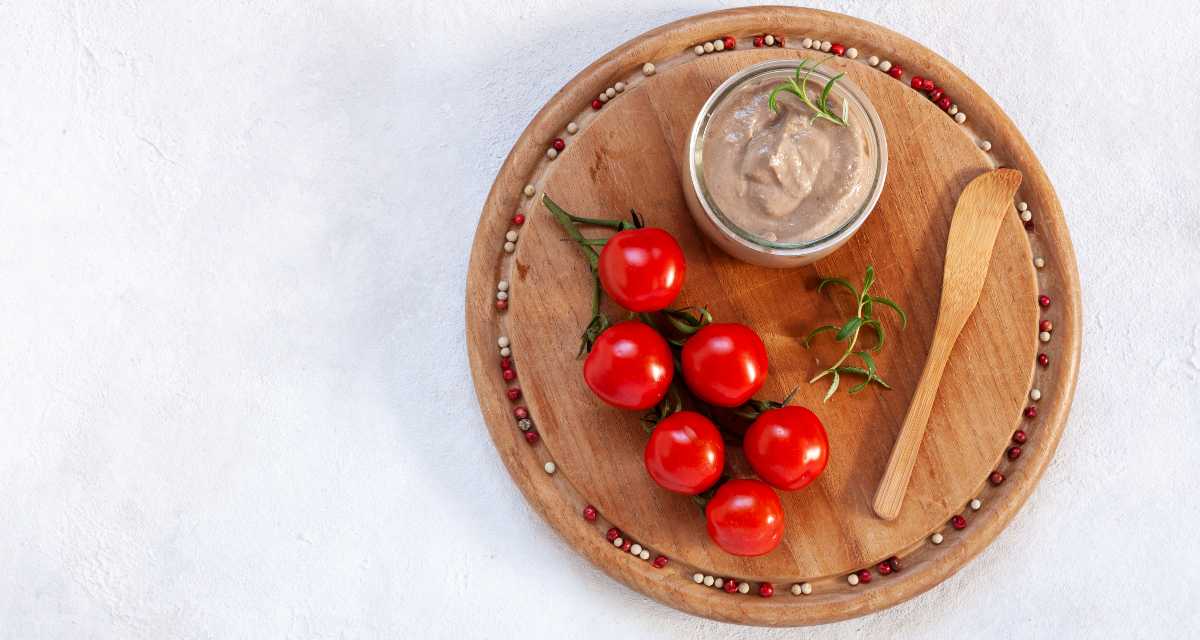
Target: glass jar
point(761, 248)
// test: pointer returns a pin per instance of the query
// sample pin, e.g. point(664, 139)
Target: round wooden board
point(626, 155)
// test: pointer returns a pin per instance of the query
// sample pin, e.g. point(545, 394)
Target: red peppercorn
point(918, 82)
point(590, 513)
point(502, 304)
point(505, 363)
point(1046, 325)
point(612, 534)
point(730, 585)
point(1020, 436)
point(596, 104)
point(1031, 411)
point(625, 546)
point(896, 72)
point(1043, 301)
point(1029, 225)
point(766, 589)
point(996, 478)
point(894, 563)
point(758, 42)
point(779, 40)
point(520, 412)
point(958, 522)
point(837, 49)
point(1014, 453)
point(509, 374)
point(944, 103)
point(927, 85)
point(558, 144)
point(514, 393)
point(660, 562)
point(531, 437)
point(519, 219)
point(935, 94)
point(730, 42)
point(1043, 359)
point(864, 576)
point(884, 568)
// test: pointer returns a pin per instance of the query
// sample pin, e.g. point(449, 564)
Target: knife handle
point(890, 494)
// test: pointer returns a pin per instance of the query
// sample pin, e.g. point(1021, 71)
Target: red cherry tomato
point(685, 453)
point(725, 364)
point(745, 518)
point(787, 447)
point(630, 366)
point(642, 269)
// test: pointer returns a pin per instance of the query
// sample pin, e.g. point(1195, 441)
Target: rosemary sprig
point(849, 331)
point(798, 86)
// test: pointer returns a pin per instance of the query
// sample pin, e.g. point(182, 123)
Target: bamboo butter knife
point(977, 216)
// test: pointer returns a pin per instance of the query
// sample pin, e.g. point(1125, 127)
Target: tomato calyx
point(702, 499)
point(755, 407)
point(686, 322)
point(671, 404)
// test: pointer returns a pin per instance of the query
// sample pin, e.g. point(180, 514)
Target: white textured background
point(234, 398)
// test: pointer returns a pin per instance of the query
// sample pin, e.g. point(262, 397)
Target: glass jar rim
point(848, 91)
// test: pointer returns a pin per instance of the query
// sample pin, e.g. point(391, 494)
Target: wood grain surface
point(627, 155)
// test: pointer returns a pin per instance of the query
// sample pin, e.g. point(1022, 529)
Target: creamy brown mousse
point(782, 176)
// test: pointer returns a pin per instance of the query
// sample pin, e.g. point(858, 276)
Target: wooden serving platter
point(528, 300)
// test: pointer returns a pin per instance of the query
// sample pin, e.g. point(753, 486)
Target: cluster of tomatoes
point(631, 365)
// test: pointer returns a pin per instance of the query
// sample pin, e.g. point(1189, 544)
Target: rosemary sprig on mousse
point(798, 86)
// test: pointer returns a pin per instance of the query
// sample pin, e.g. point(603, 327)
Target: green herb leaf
point(866, 357)
point(869, 279)
point(870, 362)
point(895, 307)
point(771, 99)
point(828, 88)
point(807, 341)
point(804, 87)
point(849, 328)
point(832, 387)
point(877, 327)
point(840, 282)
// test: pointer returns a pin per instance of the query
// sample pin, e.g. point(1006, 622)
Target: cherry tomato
point(630, 366)
point(787, 447)
point(745, 518)
point(642, 269)
point(685, 453)
point(725, 364)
